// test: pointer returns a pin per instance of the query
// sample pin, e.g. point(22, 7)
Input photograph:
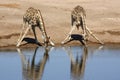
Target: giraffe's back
point(32, 16)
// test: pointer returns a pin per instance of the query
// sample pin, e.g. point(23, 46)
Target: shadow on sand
point(32, 41)
point(76, 37)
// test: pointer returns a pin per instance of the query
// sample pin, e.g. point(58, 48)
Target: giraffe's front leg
point(45, 38)
point(51, 42)
point(87, 36)
point(84, 34)
point(23, 28)
point(18, 44)
point(90, 32)
point(68, 36)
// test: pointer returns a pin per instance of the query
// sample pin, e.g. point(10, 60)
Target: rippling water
point(61, 63)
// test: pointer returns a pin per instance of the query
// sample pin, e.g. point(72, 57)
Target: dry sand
point(103, 19)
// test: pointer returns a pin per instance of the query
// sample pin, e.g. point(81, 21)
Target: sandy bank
point(103, 18)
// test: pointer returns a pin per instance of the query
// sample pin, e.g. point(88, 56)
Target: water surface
point(61, 63)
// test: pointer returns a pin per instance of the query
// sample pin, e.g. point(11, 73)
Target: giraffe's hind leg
point(33, 29)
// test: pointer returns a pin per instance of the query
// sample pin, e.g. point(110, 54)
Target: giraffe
point(33, 18)
point(78, 16)
point(77, 20)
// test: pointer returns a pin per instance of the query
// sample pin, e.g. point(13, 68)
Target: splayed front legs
point(86, 34)
point(23, 34)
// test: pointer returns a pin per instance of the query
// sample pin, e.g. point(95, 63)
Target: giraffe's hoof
point(52, 44)
point(102, 43)
point(62, 43)
point(17, 45)
point(83, 35)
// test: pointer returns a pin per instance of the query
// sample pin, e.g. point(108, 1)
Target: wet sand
point(103, 19)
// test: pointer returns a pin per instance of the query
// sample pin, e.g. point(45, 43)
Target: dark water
point(61, 63)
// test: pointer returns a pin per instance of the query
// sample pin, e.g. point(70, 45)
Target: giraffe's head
point(77, 21)
point(77, 16)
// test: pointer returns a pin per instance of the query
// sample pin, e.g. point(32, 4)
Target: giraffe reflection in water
point(31, 70)
point(77, 63)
